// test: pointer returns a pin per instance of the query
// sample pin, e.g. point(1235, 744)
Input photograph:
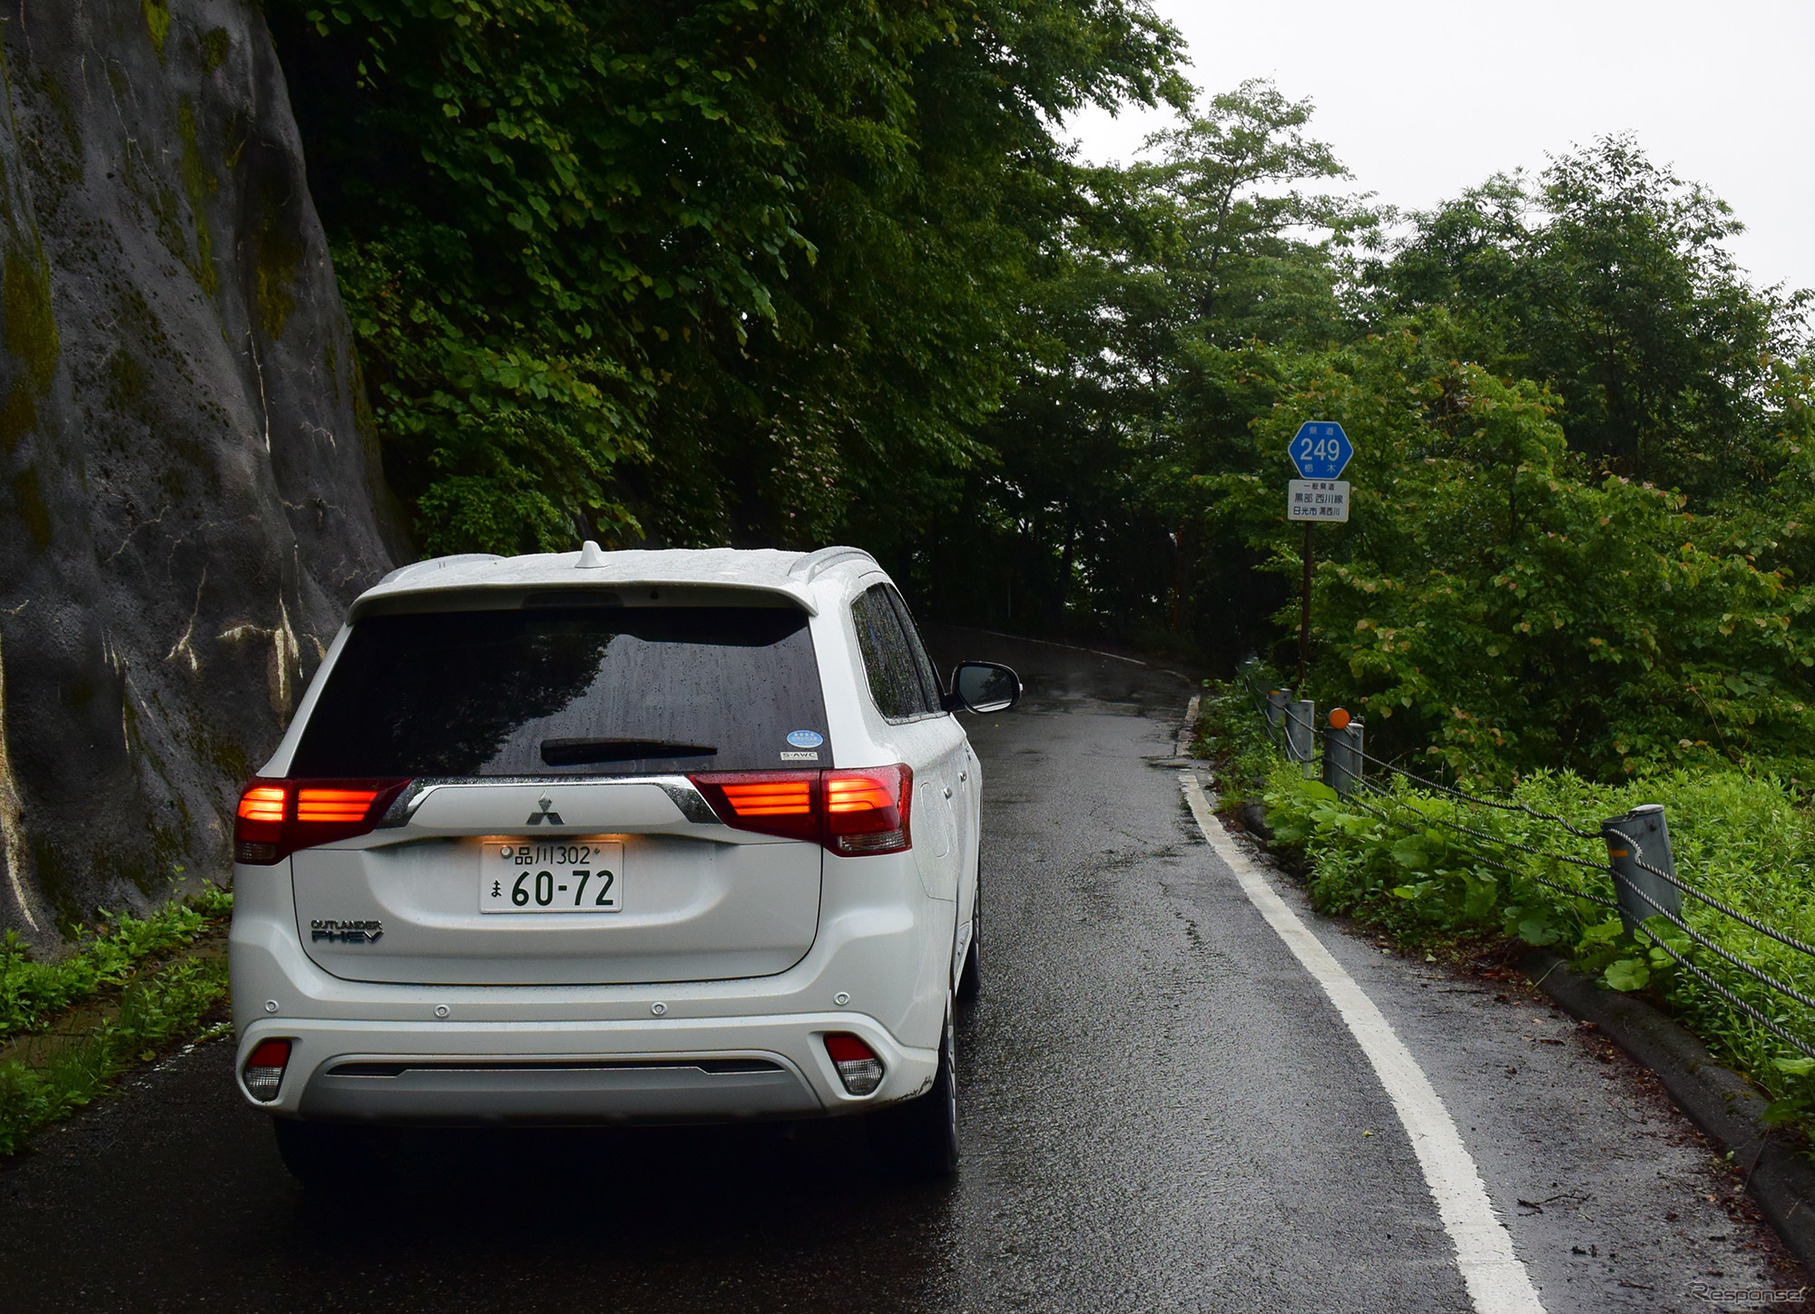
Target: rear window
point(570, 691)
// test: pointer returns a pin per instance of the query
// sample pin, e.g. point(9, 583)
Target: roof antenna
point(590, 557)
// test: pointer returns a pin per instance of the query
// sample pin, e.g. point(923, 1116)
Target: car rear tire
point(919, 1139)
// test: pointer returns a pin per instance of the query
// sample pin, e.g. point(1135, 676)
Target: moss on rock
point(31, 324)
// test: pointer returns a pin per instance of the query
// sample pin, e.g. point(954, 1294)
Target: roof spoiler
point(811, 566)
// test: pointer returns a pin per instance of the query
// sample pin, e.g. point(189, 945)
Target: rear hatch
point(549, 833)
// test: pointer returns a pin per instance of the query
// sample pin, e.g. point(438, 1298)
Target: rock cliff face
point(187, 498)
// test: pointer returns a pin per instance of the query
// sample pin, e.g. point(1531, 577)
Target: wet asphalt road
point(1160, 1109)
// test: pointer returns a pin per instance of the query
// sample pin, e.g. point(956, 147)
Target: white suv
point(614, 836)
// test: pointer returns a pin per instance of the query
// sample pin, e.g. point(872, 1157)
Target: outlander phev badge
point(552, 818)
point(338, 932)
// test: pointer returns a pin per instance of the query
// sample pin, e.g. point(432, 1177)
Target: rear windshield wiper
point(579, 752)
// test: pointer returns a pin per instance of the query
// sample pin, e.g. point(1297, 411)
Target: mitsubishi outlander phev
point(597, 837)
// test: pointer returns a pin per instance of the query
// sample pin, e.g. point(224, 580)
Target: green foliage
point(1089, 518)
point(1404, 867)
point(727, 270)
point(152, 1013)
point(32, 992)
point(1583, 528)
point(1498, 607)
point(1232, 733)
point(1610, 281)
point(1250, 252)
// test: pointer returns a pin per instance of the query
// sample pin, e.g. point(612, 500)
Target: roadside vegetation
point(1395, 860)
point(795, 273)
point(70, 1027)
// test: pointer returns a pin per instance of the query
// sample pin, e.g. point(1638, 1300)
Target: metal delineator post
point(1300, 734)
point(1635, 836)
point(1277, 700)
point(1342, 747)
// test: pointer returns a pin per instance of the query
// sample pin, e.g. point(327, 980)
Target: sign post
point(1320, 450)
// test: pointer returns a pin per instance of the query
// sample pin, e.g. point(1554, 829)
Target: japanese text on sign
point(1318, 499)
point(1320, 450)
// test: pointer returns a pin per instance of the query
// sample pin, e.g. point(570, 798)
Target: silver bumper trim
point(554, 1090)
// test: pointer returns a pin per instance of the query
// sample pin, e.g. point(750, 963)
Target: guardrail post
point(1276, 706)
point(1300, 732)
point(1342, 755)
point(1644, 826)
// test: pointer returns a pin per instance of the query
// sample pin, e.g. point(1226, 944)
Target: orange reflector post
point(262, 803)
point(1339, 718)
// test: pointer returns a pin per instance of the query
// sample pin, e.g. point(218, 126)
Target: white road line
point(1497, 1282)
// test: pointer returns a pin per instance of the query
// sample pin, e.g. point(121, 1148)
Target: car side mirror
point(983, 687)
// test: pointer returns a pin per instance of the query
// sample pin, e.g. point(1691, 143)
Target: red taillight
point(262, 803)
point(265, 1069)
point(858, 1067)
point(867, 811)
point(768, 802)
point(781, 798)
point(857, 794)
point(278, 817)
point(850, 812)
point(342, 805)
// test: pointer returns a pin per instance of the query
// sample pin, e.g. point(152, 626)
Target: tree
point(1610, 281)
point(698, 271)
point(1254, 250)
point(1092, 516)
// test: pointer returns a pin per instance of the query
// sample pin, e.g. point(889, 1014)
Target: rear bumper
point(880, 967)
point(686, 1070)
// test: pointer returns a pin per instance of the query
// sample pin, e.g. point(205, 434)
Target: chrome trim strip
point(680, 791)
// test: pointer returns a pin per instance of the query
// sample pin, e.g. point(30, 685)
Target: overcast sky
point(1421, 98)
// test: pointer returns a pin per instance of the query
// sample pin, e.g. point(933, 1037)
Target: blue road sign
point(1320, 449)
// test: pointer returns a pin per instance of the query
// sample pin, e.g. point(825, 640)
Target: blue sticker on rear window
point(806, 738)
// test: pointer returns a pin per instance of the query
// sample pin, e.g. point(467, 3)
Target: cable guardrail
point(1629, 892)
point(1768, 1024)
point(1755, 973)
point(1485, 802)
point(1571, 890)
point(1671, 878)
point(1495, 839)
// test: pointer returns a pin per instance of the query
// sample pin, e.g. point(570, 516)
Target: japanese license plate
point(551, 876)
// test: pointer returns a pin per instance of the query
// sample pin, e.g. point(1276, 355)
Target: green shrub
point(153, 1012)
point(31, 992)
point(1395, 859)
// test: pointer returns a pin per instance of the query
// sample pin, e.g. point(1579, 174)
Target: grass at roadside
point(1399, 865)
point(123, 995)
point(32, 992)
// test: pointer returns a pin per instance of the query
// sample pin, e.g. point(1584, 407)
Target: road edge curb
point(1717, 1099)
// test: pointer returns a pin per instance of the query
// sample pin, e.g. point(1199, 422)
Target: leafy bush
point(32, 992)
point(152, 1013)
point(1499, 606)
point(1396, 860)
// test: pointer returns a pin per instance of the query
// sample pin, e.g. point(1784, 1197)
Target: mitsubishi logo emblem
point(551, 817)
